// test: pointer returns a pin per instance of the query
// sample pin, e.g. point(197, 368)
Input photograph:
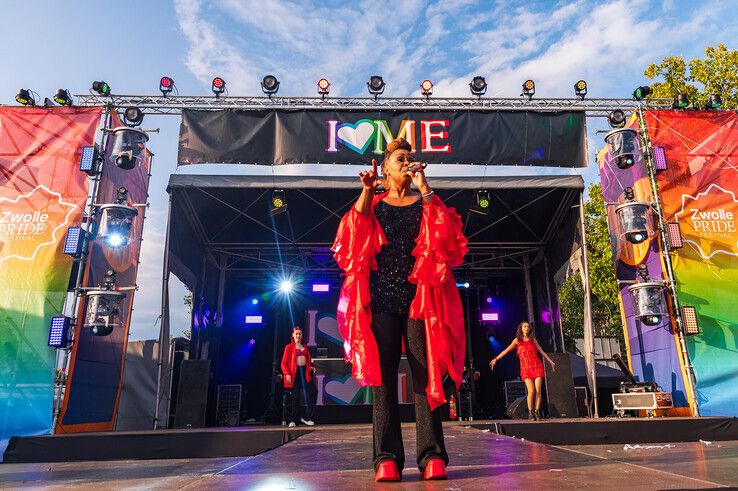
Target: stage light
point(253, 319)
point(634, 218)
point(625, 145)
point(714, 102)
point(166, 85)
point(689, 320)
point(659, 159)
point(116, 221)
point(25, 97)
point(648, 298)
point(89, 159)
point(103, 306)
point(464, 284)
point(681, 101)
point(490, 317)
point(218, 86)
point(279, 201)
point(323, 87)
point(73, 242)
point(483, 199)
point(529, 89)
point(63, 97)
point(375, 85)
point(321, 288)
point(286, 286)
point(129, 147)
point(642, 92)
point(426, 88)
point(252, 341)
point(59, 331)
point(101, 88)
point(270, 85)
point(675, 235)
point(478, 86)
point(489, 299)
point(580, 89)
point(616, 119)
point(254, 301)
point(133, 116)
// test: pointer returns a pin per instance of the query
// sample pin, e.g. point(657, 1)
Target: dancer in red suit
point(297, 373)
point(397, 249)
point(531, 367)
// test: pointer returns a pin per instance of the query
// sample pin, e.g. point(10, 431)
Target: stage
point(339, 457)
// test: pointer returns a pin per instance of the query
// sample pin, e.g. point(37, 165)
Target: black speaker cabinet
point(192, 394)
point(560, 388)
point(517, 409)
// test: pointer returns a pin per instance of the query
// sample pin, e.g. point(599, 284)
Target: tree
point(188, 302)
point(716, 73)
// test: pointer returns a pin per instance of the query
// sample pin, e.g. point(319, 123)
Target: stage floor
point(339, 457)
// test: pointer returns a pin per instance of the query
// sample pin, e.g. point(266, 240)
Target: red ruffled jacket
point(289, 365)
point(439, 247)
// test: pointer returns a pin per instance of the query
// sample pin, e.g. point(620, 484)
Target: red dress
point(531, 366)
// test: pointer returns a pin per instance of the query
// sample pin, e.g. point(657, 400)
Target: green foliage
point(716, 73)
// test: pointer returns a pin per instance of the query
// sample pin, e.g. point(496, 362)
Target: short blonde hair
point(394, 145)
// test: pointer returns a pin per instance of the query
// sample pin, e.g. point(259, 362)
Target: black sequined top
point(390, 289)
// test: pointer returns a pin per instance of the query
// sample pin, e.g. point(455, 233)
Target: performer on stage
point(531, 367)
point(297, 373)
point(397, 249)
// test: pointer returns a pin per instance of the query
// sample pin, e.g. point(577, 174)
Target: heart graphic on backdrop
point(344, 390)
point(356, 136)
point(328, 327)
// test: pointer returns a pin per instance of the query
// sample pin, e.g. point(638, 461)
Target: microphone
point(416, 166)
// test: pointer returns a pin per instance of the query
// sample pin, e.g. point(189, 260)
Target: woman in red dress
point(397, 249)
point(531, 367)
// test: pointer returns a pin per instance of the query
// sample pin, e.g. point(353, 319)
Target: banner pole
point(669, 270)
point(164, 326)
point(589, 360)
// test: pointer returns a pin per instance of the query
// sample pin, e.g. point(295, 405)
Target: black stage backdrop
point(279, 136)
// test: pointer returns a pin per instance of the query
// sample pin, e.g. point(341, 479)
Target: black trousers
point(302, 389)
point(389, 331)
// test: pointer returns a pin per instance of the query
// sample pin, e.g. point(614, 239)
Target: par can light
point(218, 86)
point(101, 88)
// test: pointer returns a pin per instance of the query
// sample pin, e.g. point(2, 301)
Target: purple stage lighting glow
point(252, 341)
point(659, 158)
point(321, 287)
point(490, 316)
point(254, 301)
point(489, 299)
point(254, 319)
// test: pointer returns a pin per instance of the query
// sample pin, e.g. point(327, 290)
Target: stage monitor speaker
point(192, 394)
point(560, 388)
point(517, 409)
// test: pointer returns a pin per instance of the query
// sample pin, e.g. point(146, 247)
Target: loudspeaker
point(560, 388)
point(517, 409)
point(192, 394)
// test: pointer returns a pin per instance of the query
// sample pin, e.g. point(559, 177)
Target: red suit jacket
point(440, 246)
point(289, 365)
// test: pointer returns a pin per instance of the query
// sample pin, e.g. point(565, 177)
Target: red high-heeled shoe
point(435, 469)
point(387, 471)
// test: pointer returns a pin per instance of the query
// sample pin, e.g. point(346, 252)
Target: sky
point(131, 44)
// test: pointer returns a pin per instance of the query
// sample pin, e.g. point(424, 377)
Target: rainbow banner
point(653, 350)
point(42, 192)
point(699, 190)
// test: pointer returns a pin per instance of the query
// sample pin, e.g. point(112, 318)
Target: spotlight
point(624, 146)
point(166, 85)
point(375, 85)
point(426, 88)
point(59, 331)
point(580, 89)
point(25, 97)
point(689, 320)
point(218, 86)
point(478, 86)
point(74, 241)
point(63, 97)
point(116, 221)
point(285, 286)
point(321, 288)
point(529, 88)
point(129, 147)
point(714, 102)
point(675, 235)
point(616, 119)
point(490, 317)
point(634, 218)
point(648, 298)
point(323, 87)
point(642, 92)
point(489, 299)
point(253, 319)
point(101, 88)
point(103, 306)
point(270, 85)
point(279, 201)
point(89, 159)
point(463, 284)
point(252, 341)
point(483, 200)
point(681, 101)
point(254, 301)
point(133, 116)
point(659, 159)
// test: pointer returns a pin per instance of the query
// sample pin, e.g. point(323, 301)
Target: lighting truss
point(157, 104)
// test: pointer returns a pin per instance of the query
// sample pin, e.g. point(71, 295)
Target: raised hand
point(419, 181)
point(370, 179)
